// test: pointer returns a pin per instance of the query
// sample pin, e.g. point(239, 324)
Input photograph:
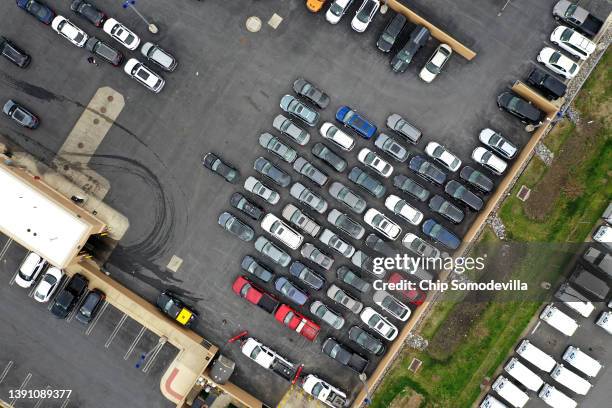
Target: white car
point(143, 74)
point(48, 284)
point(30, 268)
point(487, 159)
point(375, 162)
point(378, 323)
point(443, 156)
point(364, 15)
point(336, 10)
point(401, 208)
point(323, 391)
point(573, 42)
point(259, 353)
point(332, 133)
point(336, 243)
point(497, 142)
point(605, 321)
point(558, 63)
point(253, 185)
point(281, 231)
point(391, 305)
point(382, 224)
point(69, 31)
point(121, 34)
point(434, 66)
point(603, 235)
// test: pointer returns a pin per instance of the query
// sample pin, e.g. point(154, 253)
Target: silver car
point(349, 277)
point(271, 171)
point(235, 226)
point(297, 217)
point(345, 224)
point(256, 187)
point(336, 243)
point(273, 144)
point(308, 197)
point(498, 143)
point(391, 147)
point(272, 252)
point(347, 197)
point(313, 254)
point(404, 128)
point(391, 305)
point(288, 128)
point(307, 169)
point(159, 56)
point(327, 315)
point(341, 297)
point(420, 247)
point(300, 110)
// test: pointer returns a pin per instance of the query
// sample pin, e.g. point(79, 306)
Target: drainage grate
point(415, 364)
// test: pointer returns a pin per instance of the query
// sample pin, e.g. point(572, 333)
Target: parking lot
point(223, 95)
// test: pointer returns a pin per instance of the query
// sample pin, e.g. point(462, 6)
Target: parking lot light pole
point(131, 4)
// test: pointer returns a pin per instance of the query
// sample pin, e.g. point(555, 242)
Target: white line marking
point(21, 387)
point(77, 307)
point(536, 327)
point(95, 320)
point(65, 404)
point(40, 401)
point(5, 248)
point(152, 357)
point(115, 331)
point(58, 291)
point(6, 370)
point(133, 345)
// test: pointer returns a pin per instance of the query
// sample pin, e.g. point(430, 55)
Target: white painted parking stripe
point(5, 248)
point(95, 320)
point(77, 307)
point(17, 271)
point(65, 404)
point(133, 345)
point(21, 387)
point(153, 356)
point(536, 327)
point(40, 401)
point(6, 371)
point(115, 331)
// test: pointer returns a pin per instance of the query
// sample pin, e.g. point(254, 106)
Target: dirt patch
point(409, 399)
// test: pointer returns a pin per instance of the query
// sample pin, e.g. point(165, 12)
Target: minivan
point(391, 33)
point(402, 59)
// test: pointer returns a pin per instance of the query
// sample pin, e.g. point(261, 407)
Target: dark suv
point(427, 170)
point(519, 107)
point(402, 59)
point(13, 53)
point(391, 33)
point(550, 86)
point(92, 303)
point(67, 299)
point(104, 51)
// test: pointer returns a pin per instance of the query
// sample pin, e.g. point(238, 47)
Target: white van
point(536, 356)
point(281, 231)
point(574, 300)
point(491, 402)
point(30, 268)
point(582, 361)
point(559, 320)
point(555, 398)
point(523, 375)
point(605, 321)
point(510, 392)
point(570, 380)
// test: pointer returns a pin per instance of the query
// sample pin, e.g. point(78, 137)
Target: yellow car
point(168, 303)
point(315, 5)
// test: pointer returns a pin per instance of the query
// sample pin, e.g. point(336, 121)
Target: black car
point(14, 54)
point(176, 309)
point(90, 306)
point(306, 89)
point(446, 209)
point(20, 114)
point(380, 246)
point(345, 224)
point(440, 234)
point(213, 162)
point(427, 170)
point(39, 10)
point(271, 171)
point(519, 107)
point(550, 86)
point(328, 156)
point(477, 179)
point(255, 267)
point(459, 192)
point(366, 341)
point(240, 202)
point(343, 355)
point(411, 187)
point(351, 278)
point(306, 275)
point(391, 33)
point(104, 51)
point(367, 182)
point(67, 299)
point(89, 11)
point(418, 38)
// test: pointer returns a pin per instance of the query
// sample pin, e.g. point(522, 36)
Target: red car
point(415, 297)
point(247, 290)
point(297, 322)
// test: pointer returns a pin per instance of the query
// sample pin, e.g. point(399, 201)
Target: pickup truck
point(247, 290)
point(324, 392)
point(344, 356)
point(67, 299)
point(550, 86)
point(577, 17)
point(268, 358)
point(296, 322)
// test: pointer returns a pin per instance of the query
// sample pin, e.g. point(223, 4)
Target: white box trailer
point(570, 380)
point(582, 361)
point(536, 356)
point(599, 259)
point(559, 320)
point(510, 392)
point(574, 300)
point(491, 402)
point(555, 398)
point(522, 374)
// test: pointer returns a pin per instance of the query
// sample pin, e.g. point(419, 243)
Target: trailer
point(582, 361)
point(599, 259)
point(555, 398)
point(590, 283)
point(510, 392)
point(324, 392)
point(491, 402)
point(574, 300)
point(536, 356)
point(522, 374)
point(570, 380)
point(559, 320)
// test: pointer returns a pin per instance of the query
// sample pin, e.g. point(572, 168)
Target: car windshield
point(358, 122)
point(373, 321)
point(364, 16)
point(554, 58)
point(566, 34)
point(513, 103)
point(570, 10)
point(320, 311)
point(255, 353)
point(316, 390)
point(433, 68)
point(390, 304)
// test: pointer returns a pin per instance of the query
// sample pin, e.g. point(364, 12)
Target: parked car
point(344, 356)
point(353, 120)
point(306, 196)
point(367, 182)
point(104, 51)
point(498, 143)
point(274, 145)
point(347, 197)
point(256, 268)
point(336, 243)
point(440, 234)
point(284, 125)
point(20, 114)
point(38, 9)
point(345, 224)
point(253, 185)
point(366, 341)
point(404, 128)
point(391, 305)
point(328, 157)
point(176, 309)
point(349, 277)
point(121, 34)
point(296, 322)
point(88, 11)
point(241, 203)
point(306, 275)
point(343, 298)
point(378, 323)
point(159, 56)
point(577, 17)
point(272, 252)
point(477, 179)
point(391, 32)
point(413, 296)
point(298, 218)
point(143, 74)
point(290, 291)
point(411, 187)
point(48, 284)
point(306, 89)
point(336, 10)
point(69, 31)
point(404, 210)
point(69, 296)
point(380, 246)
point(382, 224)
point(460, 193)
point(443, 156)
point(558, 63)
point(267, 168)
point(236, 227)
point(445, 208)
point(488, 160)
point(281, 231)
point(214, 163)
point(375, 162)
point(436, 62)
point(420, 247)
point(418, 38)
point(323, 391)
point(247, 290)
point(300, 110)
point(32, 266)
point(331, 132)
point(307, 169)
point(328, 315)
point(314, 254)
point(90, 306)
point(546, 83)
point(573, 42)
point(365, 262)
point(364, 15)
point(427, 170)
point(519, 107)
point(391, 147)
point(14, 54)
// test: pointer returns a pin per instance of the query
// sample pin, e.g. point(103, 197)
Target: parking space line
point(58, 291)
point(21, 387)
point(115, 331)
point(5, 248)
point(6, 371)
point(133, 345)
point(65, 404)
point(95, 320)
point(153, 356)
point(40, 400)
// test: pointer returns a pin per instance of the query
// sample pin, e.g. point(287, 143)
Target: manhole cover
point(110, 98)
point(96, 121)
point(103, 109)
point(253, 24)
point(523, 193)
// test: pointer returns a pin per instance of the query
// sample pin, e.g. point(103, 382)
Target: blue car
point(41, 11)
point(440, 234)
point(350, 118)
